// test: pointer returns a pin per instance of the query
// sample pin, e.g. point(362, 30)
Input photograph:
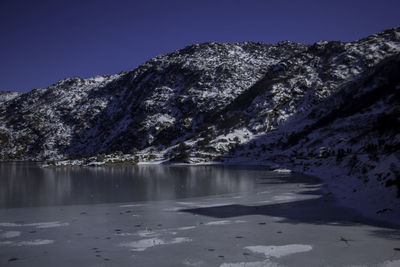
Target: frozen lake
point(151, 215)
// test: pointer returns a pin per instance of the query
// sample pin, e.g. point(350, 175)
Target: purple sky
point(44, 41)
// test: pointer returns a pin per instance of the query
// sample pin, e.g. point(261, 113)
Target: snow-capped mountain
point(330, 104)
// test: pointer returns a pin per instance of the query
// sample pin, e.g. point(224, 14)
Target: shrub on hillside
point(182, 154)
point(396, 180)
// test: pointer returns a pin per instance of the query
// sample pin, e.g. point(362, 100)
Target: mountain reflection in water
point(27, 184)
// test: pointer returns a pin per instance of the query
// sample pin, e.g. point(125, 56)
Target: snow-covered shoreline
point(370, 199)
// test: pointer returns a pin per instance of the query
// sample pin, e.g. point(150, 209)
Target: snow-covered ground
point(285, 221)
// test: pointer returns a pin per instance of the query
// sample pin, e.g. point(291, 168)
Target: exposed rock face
point(332, 103)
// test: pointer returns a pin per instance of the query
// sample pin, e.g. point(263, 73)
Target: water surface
point(27, 184)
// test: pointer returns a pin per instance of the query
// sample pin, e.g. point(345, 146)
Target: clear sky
point(42, 42)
